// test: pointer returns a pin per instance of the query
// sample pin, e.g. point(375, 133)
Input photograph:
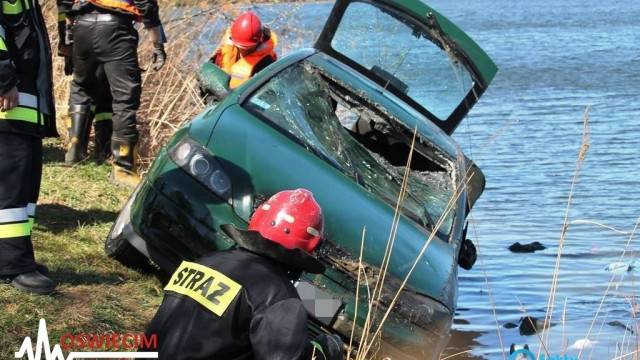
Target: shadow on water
point(462, 342)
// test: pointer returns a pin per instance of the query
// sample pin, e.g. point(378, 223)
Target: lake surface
point(555, 60)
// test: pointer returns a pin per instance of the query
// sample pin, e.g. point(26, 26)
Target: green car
point(364, 121)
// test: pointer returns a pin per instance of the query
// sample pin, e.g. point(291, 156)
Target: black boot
point(103, 130)
point(125, 154)
point(34, 282)
point(79, 116)
point(84, 139)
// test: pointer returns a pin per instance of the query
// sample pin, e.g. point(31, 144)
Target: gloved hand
point(68, 34)
point(331, 346)
point(68, 65)
point(159, 56)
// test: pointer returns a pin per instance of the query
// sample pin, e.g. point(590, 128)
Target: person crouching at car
point(247, 47)
point(241, 303)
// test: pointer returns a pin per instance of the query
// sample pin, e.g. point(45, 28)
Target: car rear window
point(299, 102)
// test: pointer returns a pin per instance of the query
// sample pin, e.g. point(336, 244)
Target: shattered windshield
point(298, 101)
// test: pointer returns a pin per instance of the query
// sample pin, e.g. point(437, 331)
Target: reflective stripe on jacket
point(25, 62)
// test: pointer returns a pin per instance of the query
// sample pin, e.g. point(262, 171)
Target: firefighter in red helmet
point(247, 47)
point(227, 304)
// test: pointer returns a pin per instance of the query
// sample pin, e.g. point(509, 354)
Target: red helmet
point(291, 218)
point(246, 31)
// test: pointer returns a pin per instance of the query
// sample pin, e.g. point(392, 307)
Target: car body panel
point(250, 142)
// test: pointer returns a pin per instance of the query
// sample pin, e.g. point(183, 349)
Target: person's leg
point(21, 166)
point(120, 61)
point(82, 90)
point(103, 118)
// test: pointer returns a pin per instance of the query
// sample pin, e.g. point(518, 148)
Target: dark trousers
point(109, 40)
point(20, 175)
point(103, 100)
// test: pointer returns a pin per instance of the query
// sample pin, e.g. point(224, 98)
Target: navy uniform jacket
point(25, 62)
point(230, 305)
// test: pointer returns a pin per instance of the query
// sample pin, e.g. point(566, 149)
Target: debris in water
point(530, 325)
point(526, 248)
point(619, 324)
point(621, 266)
point(582, 344)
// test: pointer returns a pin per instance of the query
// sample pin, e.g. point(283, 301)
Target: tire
point(119, 249)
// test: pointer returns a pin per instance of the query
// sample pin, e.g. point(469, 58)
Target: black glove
point(68, 65)
point(159, 56)
point(331, 347)
point(68, 34)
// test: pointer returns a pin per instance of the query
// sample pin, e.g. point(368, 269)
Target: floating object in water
point(530, 325)
point(583, 344)
point(526, 248)
point(620, 266)
point(619, 324)
point(510, 325)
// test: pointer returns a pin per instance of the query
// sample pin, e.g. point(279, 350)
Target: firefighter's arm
point(65, 27)
point(280, 332)
point(8, 77)
point(150, 13)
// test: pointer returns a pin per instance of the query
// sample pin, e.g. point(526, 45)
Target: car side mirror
point(214, 82)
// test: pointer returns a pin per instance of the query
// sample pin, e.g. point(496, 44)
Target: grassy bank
point(96, 295)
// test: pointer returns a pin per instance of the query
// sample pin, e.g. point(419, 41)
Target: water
point(555, 61)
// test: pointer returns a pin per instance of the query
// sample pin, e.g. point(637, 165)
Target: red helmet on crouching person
point(246, 30)
point(291, 218)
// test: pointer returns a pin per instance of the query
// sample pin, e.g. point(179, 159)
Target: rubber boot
point(84, 140)
point(125, 153)
point(103, 130)
point(78, 119)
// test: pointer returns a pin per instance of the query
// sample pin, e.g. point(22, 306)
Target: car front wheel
point(119, 249)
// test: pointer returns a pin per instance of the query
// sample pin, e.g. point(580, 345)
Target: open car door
point(412, 51)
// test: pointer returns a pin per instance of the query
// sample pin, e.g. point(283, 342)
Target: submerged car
point(363, 120)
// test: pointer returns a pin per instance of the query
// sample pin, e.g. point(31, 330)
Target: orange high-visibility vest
point(126, 5)
point(241, 68)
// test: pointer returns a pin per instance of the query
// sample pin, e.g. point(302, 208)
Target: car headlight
point(197, 161)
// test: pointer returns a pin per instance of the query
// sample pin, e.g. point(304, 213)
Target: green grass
point(96, 294)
